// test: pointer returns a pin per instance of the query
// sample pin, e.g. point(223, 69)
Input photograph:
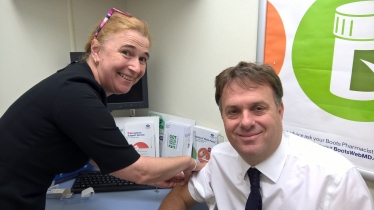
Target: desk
point(138, 200)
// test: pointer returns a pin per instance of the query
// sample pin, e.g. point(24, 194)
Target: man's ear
point(281, 109)
point(95, 48)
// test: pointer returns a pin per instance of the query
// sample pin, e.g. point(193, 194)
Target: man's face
point(253, 122)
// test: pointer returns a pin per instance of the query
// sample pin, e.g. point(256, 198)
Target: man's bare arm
point(179, 198)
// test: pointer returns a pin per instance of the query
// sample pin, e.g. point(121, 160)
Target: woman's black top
point(56, 127)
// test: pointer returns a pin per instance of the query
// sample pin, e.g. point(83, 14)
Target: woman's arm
point(148, 170)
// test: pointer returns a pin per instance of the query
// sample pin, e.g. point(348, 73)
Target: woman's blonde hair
point(117, 22)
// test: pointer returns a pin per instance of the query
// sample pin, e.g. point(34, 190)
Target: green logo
point(333, 57)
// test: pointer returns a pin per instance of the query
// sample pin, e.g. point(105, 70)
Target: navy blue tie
point(254, 201)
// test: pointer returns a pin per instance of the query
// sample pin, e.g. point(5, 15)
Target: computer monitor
point(136, 98)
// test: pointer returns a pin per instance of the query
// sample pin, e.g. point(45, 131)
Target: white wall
point(35, 40)
point(87, 14)
point(193, 40)
point(34, 44)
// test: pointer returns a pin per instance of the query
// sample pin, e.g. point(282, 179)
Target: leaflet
point(163, 118)
point(141, 135)
point(204, 140)
point(177, 139)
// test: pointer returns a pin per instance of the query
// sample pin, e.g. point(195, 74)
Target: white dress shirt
point(300, 175)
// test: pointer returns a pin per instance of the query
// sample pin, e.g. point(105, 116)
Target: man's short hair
point(245, 74)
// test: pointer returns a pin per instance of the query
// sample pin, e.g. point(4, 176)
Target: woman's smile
point(126, 77)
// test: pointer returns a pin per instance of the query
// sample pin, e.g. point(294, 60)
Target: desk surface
point(139, 200)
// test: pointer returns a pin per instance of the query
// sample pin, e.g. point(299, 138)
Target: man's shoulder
point(312, 153)
point(224, 148)
point(225, 153)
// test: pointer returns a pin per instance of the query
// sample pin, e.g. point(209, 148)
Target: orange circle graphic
point(203, 153)
point(275, 39)
point(140, 145)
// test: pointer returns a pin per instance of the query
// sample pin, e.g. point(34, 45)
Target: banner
point(323, 51)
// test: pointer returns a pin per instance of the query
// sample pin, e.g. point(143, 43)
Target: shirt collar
point(272, 167)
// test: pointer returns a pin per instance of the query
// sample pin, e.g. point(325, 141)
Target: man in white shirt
point(295, 173)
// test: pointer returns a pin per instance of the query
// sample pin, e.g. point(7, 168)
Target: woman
point(62, 122)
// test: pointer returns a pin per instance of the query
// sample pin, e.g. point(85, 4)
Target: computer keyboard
point(104, 183)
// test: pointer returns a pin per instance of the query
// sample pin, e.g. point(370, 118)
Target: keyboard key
point(104, 183)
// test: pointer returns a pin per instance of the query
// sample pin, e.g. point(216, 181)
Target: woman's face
point(121, 61)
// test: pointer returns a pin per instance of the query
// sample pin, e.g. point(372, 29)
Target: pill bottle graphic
point(352, 75)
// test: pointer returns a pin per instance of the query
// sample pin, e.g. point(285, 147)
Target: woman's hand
point(196, 166)
point(182, 178)
point(176, 180)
